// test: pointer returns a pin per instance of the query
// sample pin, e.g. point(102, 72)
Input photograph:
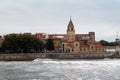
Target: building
point(110, 49)
point(118, 45)
point(73, 43)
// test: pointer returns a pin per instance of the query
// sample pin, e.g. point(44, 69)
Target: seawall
point(32, 56)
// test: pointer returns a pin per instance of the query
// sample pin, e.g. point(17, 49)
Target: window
point(92, 47)
point(100, 49)
point(71, 28)
point(68, 50)
point(80, 49)
point(76, 44)
point(84, 49)
point(63, 45)
point(72, 50)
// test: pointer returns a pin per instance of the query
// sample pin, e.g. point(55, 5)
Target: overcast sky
point(52, 16)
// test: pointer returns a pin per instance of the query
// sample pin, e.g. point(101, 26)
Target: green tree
point(9, 44)
point(106, 43)
point(49, 45)
point(112, 43)
point(21, 43)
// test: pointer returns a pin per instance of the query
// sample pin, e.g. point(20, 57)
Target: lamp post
point(117, 46)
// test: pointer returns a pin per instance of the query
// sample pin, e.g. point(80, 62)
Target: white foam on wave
point(37, 60)
point(79, 63)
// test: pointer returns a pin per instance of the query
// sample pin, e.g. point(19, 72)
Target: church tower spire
point(70, 31)
point(70, 25)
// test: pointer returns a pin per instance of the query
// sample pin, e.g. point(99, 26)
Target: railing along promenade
point(32, 56)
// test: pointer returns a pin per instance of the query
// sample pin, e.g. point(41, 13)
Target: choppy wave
point(78, 61)
point(49, 69)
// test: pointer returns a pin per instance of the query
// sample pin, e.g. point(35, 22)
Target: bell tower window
point(72, 28)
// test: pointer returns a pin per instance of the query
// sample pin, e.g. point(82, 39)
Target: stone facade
point(73, 43)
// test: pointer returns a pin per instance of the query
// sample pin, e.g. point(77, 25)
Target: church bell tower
point(70, 32)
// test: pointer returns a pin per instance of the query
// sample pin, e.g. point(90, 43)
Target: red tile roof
point(98, 44)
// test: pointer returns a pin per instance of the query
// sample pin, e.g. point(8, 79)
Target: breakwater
point(32, 56)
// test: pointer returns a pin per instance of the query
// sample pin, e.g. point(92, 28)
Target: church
point(74, 43)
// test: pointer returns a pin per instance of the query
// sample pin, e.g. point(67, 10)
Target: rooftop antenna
point(117, 35)
point(70, 18)
point(117, 39)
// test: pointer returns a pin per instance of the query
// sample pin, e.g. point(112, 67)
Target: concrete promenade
point(32, 56)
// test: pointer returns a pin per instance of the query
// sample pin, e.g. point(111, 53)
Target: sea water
point(47, 69)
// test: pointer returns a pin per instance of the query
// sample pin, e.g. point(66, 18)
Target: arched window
point(76, 44)
point(71, 28)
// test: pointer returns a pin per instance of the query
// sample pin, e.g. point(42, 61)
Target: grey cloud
point(44, 14)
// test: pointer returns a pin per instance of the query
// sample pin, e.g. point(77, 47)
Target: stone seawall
point(32, 56)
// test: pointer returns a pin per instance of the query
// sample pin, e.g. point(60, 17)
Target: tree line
point(106, 43)
point(24, 43)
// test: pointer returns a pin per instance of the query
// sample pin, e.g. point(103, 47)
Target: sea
point(53, 69)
